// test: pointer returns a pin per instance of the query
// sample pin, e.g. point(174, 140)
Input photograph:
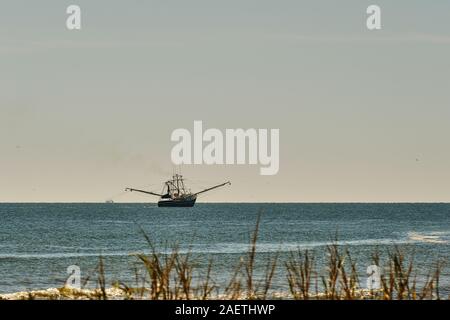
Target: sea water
point(38, 242)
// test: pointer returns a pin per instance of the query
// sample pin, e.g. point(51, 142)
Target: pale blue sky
point(84, 114)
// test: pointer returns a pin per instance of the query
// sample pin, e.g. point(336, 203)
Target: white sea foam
point(77, 248)
point(117, 222)
point(432, 237)
point(230, 248)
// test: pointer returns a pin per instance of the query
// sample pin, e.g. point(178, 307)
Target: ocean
point(39, 241)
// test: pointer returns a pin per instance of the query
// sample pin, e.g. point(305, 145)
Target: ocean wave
point(217, 248)
point(117, 222)
point(431, 237)
point(230, 248)
point(59, 255)
point(438, 237)
point(77, 248)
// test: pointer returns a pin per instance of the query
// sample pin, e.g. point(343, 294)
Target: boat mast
point(182, 188)
point(178, 183)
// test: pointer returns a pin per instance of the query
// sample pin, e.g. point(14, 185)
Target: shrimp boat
point(175, 193)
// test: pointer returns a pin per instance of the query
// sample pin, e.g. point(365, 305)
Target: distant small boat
point(176, 194)
point(109, 201)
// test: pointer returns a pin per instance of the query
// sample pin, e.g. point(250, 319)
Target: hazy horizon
point(225, 202)
point(363, 115)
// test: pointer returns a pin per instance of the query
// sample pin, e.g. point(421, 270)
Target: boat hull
point(177, 203)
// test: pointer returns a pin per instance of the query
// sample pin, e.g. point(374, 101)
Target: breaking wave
point(431, 237)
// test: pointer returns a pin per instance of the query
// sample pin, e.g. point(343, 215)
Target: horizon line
point(246, 202)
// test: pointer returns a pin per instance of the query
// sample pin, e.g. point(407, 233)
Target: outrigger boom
point(176, 194)
point(143, 191)
point(218, 186)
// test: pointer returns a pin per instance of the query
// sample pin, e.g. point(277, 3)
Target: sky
point(363, 115)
